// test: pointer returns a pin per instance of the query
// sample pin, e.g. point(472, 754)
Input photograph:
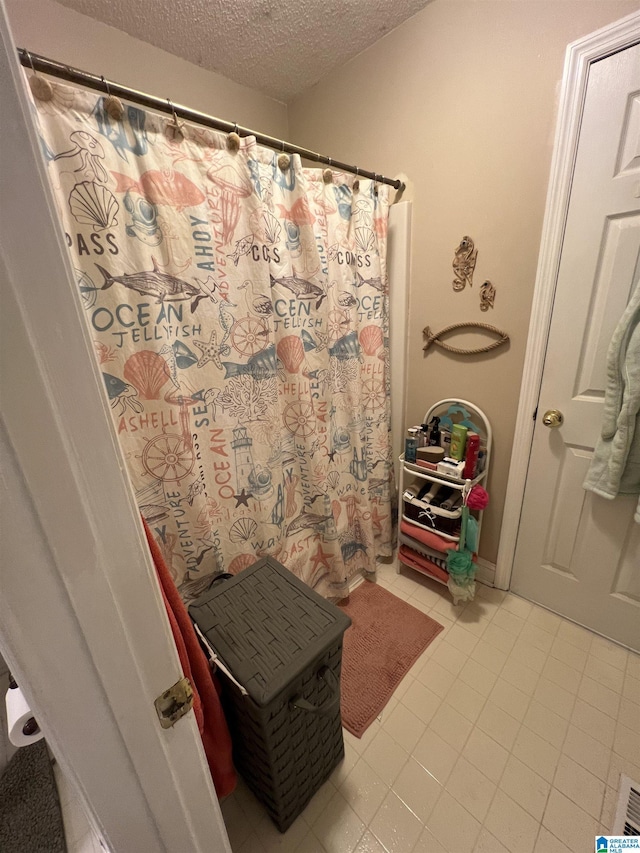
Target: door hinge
point(174, 703)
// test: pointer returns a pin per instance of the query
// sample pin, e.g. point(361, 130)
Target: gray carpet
point(30, 816)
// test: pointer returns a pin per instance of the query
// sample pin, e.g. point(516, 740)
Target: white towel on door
point(615, 466)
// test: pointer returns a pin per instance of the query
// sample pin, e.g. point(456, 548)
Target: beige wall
point(45, 27)
point(462, 98)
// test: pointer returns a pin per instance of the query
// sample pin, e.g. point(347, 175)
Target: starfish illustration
point(210, 351)
point(331, 454)
point(242, 498)
point(320, 558)
point(377, 519)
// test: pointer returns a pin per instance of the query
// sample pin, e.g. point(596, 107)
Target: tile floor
point(508, 735)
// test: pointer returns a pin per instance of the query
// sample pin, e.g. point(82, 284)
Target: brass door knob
point(553, 419)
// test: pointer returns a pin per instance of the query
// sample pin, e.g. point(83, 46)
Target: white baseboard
point(486, 572)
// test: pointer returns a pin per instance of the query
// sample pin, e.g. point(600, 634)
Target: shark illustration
point(376, 283)
point(165, 287)
point(300, 287)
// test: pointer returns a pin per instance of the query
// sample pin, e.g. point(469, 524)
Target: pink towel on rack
point(427, 537)
point(206, 702)
point(422, 564)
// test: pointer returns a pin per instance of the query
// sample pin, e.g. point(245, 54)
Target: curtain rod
point(92, 81)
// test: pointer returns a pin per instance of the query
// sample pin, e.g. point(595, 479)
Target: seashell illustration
point(291, 353)
point(242, 561)
point(265, 226)
point(243, 529)
point(371, 339)
point(272, 228)
point(148, 371)
point(332, 479)
point(365, 239)
point(184, 357)
point(263, 305)
point(93, 204)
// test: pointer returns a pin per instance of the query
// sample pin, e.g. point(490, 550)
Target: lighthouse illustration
point(258, 483)
point(245, 469)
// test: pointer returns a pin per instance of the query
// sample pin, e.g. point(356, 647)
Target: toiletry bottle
point(458, 440)
point(434, 431)
point(411, 445)
point(471, 455)
point(445, 440)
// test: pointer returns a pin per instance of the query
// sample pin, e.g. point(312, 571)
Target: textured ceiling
point(279, 47)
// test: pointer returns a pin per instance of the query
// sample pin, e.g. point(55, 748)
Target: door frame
point(580, 55)
point(83, 626)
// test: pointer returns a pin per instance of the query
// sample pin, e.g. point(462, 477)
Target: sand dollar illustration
point(168, 458)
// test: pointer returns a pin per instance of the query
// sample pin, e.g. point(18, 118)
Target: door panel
point(577, 553)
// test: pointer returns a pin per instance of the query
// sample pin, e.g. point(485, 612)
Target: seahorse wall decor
point(464, 263)
point(487, 296)
point(434, 338)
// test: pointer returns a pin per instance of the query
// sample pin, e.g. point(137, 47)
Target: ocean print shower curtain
point(239, 312)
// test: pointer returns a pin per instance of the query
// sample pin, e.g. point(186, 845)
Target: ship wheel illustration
point(373, 395)
point(299, 418)
point(168, 458)
point(337, 324)
point(249, 336)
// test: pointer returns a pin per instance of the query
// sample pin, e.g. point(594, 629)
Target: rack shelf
point(436, 477)
point(420, 556)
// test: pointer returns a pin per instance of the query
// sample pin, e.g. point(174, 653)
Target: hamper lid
point(267, 626)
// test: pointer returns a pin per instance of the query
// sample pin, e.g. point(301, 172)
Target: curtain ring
point(233, 139)
point(284, 161)
point(177, 125)
point(112, 105)
point(356, 181)
point(41, 88)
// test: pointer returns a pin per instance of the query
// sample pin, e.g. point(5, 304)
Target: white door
point(579, 554)
point(82, 622)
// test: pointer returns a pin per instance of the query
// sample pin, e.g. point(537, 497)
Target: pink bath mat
point(385, 639)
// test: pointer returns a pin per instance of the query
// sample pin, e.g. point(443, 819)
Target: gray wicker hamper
point(283, 643)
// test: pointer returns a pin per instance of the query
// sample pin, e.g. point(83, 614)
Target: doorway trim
point(578, 59)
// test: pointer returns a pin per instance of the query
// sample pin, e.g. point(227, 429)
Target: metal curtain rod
point(92, 81)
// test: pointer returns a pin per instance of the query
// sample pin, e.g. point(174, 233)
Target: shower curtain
point(238, 306)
